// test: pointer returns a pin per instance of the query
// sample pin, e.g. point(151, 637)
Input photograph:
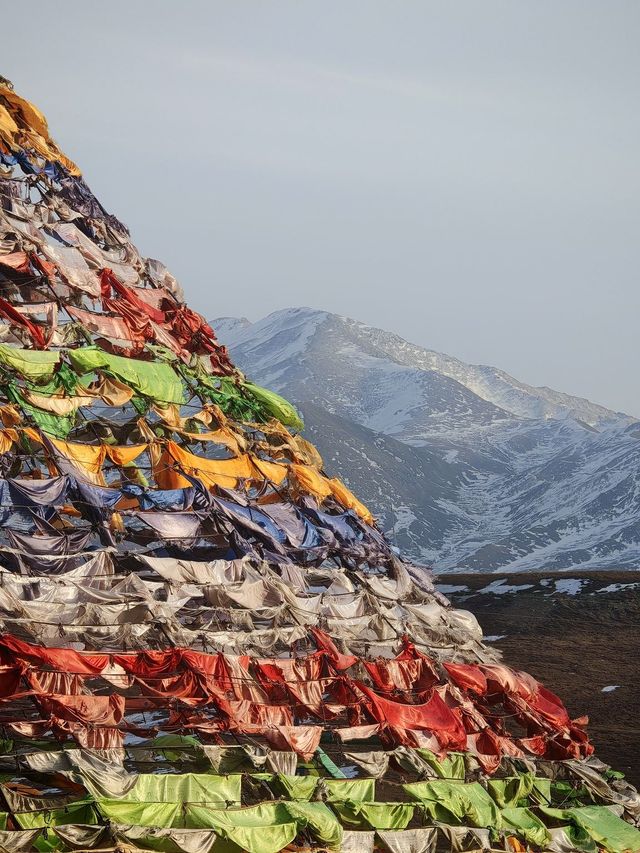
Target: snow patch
point(447, 588)
point(570, 586)
point(617, 587)
point(501, 587)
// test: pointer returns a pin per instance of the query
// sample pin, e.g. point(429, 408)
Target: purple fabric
point(161, 499)
point(36, 549)
point(180, 526)
point(39, 493)
point(98, 497)
point(299, 531)
point(13, 515)
point(252, 522)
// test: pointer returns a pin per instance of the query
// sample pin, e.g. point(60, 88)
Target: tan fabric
point(282, 762)
point(48, 311)
point(357, 842)
point(74, 270)
point(77, 837)
point(101, 772)
point(252, 595)
point(399, 587)
point(225, 434)
point(597, 784)
point(67, 334)
point(96, 257)
point(10, 417)
point(18, 841)
point(235, 443)
point(297, 448)
point(182, 840)
point(113, 392)
point(216, 572)
point(465, 837)
point(57, 404)
point(560, 842)
point(161, 277)
point(372, 764)
point(357, 732)
point(409, 840)
point(306, 452)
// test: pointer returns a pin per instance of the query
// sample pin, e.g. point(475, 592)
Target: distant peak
point(300, 312)
point(229, 323)
point(239, 321)
point(283, 336)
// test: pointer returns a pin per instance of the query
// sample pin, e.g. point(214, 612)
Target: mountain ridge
point(503, 475)
point(473, 376)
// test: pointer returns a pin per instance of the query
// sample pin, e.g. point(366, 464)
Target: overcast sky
point(463, 173)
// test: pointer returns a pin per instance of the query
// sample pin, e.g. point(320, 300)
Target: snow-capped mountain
point(466, 466)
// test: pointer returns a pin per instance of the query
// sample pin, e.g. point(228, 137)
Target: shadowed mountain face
point(466, 466)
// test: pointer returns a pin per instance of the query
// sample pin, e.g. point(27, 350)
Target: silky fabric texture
point(184, 588)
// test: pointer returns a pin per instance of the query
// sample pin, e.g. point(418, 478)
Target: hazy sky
point(463, 173)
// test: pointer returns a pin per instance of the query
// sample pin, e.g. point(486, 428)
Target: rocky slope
point(468, 467)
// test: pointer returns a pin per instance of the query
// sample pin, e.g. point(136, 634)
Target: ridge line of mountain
point(467, 467)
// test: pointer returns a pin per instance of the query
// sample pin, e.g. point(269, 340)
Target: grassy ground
point(575, 643)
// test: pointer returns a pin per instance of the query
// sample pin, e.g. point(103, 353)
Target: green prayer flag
point(374, 815)
point(258, 839)
point(329, 765)
point(455, 802)
point(154, 379)
point(276, 406)
point(265, 828)
point(449, 767)
point(35, 365)
point(319, 820)
point(185, 788)
point(47, 841)
point(525, 824)
point(357, 790)
point(79, 812)
point(602, 825)
point(174, 747)
point(142, 814)
point(296, 787)
point(222, 391)
point(509, 791)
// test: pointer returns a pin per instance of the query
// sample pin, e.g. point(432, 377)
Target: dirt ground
point(576, 632)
